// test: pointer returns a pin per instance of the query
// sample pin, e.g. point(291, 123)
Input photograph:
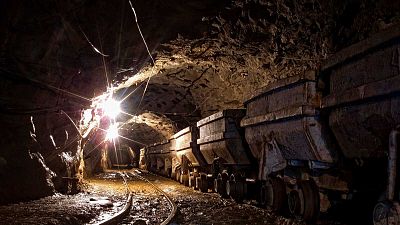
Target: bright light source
point(112, 132)
point(111, 108)
point(87, 116)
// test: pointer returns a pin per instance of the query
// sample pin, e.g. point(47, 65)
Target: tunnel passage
point(55, 57)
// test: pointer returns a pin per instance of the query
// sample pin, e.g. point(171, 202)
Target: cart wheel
point(294, 203)
point(224, 179)
point(218, 184)
point(262, 199)
point(192, 181)
point(185, 179)
point(231, 186)
point(240, 189)
point(169, 172)
point(245, 192)
point(276, 194)
point(198, 183)
point(203, 183)
point(386, 212)
point(304, 202)
point(178, 176)
point(181, 178)
point(310, 200)
point(195, 185)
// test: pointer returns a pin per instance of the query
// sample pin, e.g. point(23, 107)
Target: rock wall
point(209, 55)
point(252, 43)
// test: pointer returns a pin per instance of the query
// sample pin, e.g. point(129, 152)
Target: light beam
point(112, 132)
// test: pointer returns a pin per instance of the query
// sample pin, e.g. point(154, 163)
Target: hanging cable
point(42, 84)
point(70, 119)
point(148, 51)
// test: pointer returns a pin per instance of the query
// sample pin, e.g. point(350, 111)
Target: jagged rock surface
point(209, 55)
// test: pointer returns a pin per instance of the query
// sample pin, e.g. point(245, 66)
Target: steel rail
point(174, 208)
point(118, 217)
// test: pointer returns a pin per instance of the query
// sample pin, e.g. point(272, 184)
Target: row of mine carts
point(303, 143)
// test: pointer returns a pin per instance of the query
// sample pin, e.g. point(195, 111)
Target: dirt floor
point(195, 207)
point(91, 206)
point(105, 195)
point(151, 207)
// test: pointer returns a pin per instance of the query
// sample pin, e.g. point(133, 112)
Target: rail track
point(124, 215)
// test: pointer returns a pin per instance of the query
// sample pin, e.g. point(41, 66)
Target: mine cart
point(147, 162)
point(188, 155)
point(160, 158)
point(222, 144)
point(285, 133)
point(151, 159)
point(142, 159)
point(363, 98)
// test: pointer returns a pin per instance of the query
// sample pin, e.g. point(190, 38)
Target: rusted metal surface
point(362, 130)
point(359, 48)
point(375, 65)
point(364, 94)
point(382, 88)
point(279, 115)
point(186, 147)
point(309, 75)
point(287, 115)
point(160, 157)
point(298, 138)
point(220, 137)
point(285, 93)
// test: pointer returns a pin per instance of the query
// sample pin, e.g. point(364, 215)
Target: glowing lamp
point(111, 108)
point(112, 132)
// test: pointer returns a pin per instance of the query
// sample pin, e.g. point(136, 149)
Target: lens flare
point(112, 132)
point(111, 108)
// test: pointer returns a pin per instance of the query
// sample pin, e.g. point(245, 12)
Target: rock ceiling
point(209, 55)
point(55, 56)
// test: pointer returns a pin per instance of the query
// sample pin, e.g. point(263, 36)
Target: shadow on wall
point(23, 175)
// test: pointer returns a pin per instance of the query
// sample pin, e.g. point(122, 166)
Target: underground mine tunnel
point(199, 112)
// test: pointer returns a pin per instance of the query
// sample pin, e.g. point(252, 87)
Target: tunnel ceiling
point(209, 55)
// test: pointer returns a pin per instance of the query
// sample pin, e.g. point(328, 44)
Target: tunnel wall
point(217, 53)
